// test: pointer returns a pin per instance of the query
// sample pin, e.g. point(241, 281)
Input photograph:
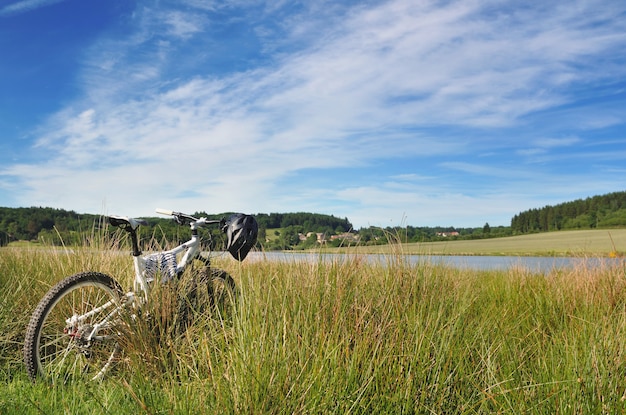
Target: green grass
point(347, 337)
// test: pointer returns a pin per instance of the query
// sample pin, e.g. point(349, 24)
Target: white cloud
point(429, 208)
point(26, 6)
point(183, 25)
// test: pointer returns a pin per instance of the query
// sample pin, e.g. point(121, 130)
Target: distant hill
point(26, 223)
point(606, 211)
point(311, 222)
point(58, 226)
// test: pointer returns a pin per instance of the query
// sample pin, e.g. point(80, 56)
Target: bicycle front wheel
point(72, 333)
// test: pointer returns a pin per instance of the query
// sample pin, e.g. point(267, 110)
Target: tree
point(486, 229)
point(289, 237)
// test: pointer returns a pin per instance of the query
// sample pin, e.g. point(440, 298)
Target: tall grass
point(345, 337)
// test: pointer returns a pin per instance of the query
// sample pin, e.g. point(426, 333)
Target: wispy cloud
point(25, 6)
point(557, 142)
point(543, 146)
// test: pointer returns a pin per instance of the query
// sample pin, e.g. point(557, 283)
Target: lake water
point(532, 264)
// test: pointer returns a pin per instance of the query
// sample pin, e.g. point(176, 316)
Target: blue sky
point(399, 112)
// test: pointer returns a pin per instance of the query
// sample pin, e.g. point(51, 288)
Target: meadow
point(601, 242)
point(345, 337)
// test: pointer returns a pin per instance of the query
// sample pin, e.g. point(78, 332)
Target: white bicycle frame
point(189, 249)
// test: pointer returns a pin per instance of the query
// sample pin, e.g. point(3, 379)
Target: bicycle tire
point(58, 351)
point(211, 292)
point(222, 293)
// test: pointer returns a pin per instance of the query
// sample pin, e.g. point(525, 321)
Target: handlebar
point(183, 218)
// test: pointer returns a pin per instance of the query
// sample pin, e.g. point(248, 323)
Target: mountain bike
point(76, 330)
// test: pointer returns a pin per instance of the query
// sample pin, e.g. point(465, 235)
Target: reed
point(349, 336)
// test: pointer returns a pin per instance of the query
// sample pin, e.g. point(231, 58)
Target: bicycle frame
point(189, 249)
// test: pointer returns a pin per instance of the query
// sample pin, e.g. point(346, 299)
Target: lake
point(532, 264)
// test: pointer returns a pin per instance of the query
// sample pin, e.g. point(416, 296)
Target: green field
point(347, 337)
point(574, 243)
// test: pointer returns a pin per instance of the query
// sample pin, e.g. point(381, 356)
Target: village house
point(321, 237)
point(447, 234)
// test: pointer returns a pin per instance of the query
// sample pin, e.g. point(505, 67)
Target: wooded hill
point(58, 226)
point(606, 211)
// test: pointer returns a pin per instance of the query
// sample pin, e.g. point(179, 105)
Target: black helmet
point(242, 231)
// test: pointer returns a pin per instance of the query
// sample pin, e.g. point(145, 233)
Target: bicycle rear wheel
point(210, 292)
point(222, 293)
point(72, 333)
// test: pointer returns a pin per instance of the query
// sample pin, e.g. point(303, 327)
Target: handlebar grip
point(165, 212)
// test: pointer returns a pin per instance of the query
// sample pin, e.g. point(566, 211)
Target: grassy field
point(605, 242)
point(347, 337)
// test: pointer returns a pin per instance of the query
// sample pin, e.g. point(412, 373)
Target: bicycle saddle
point(124, 221)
